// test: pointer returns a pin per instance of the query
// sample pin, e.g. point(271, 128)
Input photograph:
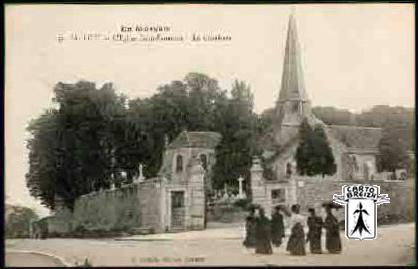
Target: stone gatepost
point(258, 188)
point(197, 196)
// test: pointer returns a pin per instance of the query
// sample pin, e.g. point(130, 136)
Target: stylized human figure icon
point(360, 226)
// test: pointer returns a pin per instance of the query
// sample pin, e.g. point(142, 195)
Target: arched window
point(179, 163)
point(204, 161)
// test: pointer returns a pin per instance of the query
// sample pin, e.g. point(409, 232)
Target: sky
point(354, 56)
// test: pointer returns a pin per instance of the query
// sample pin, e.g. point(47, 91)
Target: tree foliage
point(236, 122)
point(76, 148)
point(334, 116)
point(314, 154)
point(95, 134)
point(18, 220)
point(380, 116)
point(393, 150)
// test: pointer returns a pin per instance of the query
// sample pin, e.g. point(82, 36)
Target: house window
point(204, 161)
point(179, 163)
point(278, 196)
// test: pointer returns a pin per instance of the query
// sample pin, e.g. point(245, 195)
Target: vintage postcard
point(209, 135)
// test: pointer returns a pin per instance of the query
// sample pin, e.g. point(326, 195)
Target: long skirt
point(315, 243)
point(250, 240)
point(263, 246)
point(333, 242)
point(296, 243)
point(276, 240)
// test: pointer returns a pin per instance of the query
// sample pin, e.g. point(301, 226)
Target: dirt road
point(25, 259)
point(221, 246)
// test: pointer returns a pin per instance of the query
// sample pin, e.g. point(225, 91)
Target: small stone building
point(180, 153)
point(187, 168)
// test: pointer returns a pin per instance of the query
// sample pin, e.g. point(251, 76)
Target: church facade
point(354, 148)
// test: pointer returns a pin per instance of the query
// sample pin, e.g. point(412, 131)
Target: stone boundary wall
point(131, 206)
point(136, 205)
point(312, 192)
point(226, 213)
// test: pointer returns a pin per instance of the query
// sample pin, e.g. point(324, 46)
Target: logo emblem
point(360, 203)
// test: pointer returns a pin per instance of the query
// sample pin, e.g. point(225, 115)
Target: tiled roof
point(196, 140)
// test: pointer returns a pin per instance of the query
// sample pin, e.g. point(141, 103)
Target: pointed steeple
point(292, 84)
point(293, 105)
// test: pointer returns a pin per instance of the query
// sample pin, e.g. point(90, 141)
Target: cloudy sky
point(354, 57)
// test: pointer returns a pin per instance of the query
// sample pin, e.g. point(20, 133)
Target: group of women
point(261, 232)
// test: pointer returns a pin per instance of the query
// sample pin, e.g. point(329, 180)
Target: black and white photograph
point(209, 135)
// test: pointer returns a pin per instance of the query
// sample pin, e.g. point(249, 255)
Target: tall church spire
point(293, 104)
point(292, 85)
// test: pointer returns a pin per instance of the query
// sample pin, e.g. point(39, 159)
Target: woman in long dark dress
point(333, 241)
point(296, 243)
point(262, 234)
point(315, 231)
point(250, 221)
point(277, 227)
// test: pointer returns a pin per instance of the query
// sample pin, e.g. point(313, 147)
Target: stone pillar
point(163, 205)
point(196, 192)
point(258, 188)
point(293, 197)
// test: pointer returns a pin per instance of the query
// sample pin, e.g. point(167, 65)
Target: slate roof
point(356, 137)
point(196, 140)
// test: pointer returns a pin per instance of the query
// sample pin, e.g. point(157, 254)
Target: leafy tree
point(334, 116)
point(380, 116)
point(190, 104)
point(304, 150)
point(324, 162)
point(393, 150)
point(75, 148)
point(313, 154)
point(383, 115)
point(18, 221)
point(44, 152)
point(196, 104)
point(237, 124)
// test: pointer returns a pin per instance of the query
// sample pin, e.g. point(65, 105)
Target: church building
point(354, 148)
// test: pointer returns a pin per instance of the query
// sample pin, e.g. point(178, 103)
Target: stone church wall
point(314, 191)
